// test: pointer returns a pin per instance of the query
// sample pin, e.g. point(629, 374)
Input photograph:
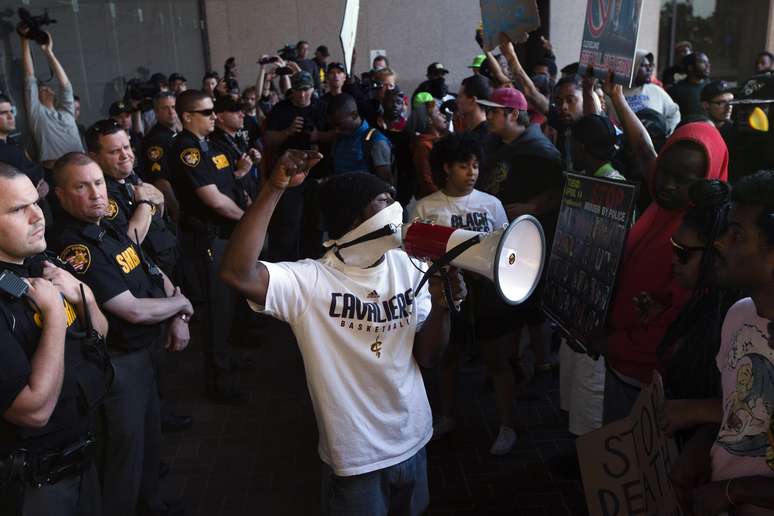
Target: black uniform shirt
point(160, 240)
point(194, 164)
point(155, 151)
point(104, 258)
point(282, 116)
point(233, 147)
point(84, 382)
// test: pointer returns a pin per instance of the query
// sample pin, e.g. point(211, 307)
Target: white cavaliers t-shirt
point(477, 211)
point(355, 329)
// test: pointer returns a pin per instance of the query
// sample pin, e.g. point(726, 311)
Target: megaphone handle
point(447, 290)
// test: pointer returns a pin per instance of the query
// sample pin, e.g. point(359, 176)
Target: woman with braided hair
point(688, 350)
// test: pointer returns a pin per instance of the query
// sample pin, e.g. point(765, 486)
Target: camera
point(143, 91)
point(288, 53)
point(308, 125)
point(268, 60)
point(34, 24)
point(283, 70)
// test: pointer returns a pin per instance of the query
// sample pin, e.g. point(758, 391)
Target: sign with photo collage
point(591, 231)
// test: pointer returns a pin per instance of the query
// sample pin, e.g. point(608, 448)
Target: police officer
point(206, 188)
point(123, 113)
point(141, 304)
point(230, 138)
point(136, 207)
point(155, 150)
point(54, 370)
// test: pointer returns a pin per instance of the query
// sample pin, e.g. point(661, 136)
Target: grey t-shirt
point(54, 130)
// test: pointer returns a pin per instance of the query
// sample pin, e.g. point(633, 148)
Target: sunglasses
point(683, 252)
point(203, 112)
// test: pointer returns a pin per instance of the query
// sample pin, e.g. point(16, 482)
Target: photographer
point(294, 123)
point(53, 128)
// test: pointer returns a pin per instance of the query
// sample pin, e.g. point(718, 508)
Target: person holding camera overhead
point(294, 123)
point(53, 127)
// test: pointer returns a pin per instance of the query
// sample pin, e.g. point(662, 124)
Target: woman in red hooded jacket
point(648, 298)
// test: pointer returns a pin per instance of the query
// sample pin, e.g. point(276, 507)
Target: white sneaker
point(504, 442)
point(444, 426)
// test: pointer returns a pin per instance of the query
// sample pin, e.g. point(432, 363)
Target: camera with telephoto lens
point(288, 53)
point(34, 25)
point(142, 91)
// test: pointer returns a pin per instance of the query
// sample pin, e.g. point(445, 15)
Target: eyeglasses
point(203, 112)
point(683, 252)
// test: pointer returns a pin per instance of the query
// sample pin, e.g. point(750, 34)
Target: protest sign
point(588, 244)
point(625, 465)
point(349, 31)
point(513, 17)
point(610, 38)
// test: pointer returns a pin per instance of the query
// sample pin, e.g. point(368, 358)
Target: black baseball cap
point(116, 108)
point(436, 68)
point(338, 66)
point(714, 88)
point(598, 134)
point(323, 50)
point(227, 103)
point(177, 77)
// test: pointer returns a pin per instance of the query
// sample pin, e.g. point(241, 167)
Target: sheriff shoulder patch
point(191, 156)
point(155, 153)
point(78, 256)
point(221, 161)
point(112, 209)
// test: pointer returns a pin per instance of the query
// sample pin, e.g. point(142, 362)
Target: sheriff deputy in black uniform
point(54, 369)
point(155, 150)
point(142, 307)
point(230, 138)
point(135, 206)
point(204, 182)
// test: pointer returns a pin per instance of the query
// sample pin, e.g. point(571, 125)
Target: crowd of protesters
point(227, 201)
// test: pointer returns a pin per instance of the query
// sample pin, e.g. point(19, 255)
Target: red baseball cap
point(509, 98)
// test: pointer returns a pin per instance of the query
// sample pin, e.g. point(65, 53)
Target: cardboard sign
point(625, 465)
point(513, 17)
point(349, 31)
point(610, 38)
point(591, 231)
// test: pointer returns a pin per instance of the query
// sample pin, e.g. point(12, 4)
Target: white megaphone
point(512, 257)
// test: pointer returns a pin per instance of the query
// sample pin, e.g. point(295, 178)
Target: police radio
point(12, 284)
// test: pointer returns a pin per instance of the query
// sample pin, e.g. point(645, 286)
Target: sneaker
point(443, 427)
point(504, 442)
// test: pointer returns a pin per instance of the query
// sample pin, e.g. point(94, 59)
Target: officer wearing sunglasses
point(204, 181)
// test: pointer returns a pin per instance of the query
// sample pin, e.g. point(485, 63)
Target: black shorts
point(494, 317)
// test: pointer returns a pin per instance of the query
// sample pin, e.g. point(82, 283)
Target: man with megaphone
point(363, 331)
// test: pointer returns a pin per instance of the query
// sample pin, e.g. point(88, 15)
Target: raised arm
point(635, 132)
point(53, 62)
point(241, 268)
point(522, 78)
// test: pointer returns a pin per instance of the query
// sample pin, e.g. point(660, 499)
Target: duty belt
point(39, 469)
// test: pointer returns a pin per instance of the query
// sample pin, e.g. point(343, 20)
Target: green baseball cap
point(422, 97)
point(477, 61)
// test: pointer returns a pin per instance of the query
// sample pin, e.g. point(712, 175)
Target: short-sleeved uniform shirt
point(194, 163)
point(155, 152)
point(282, 116)
point(355, 329)
point(160, 240)
point(233, 147)
point(104, 258)
point(20, 332)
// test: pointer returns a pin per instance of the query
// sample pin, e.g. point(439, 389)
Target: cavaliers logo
point(78, 256)
point(155, 153)
point(112, 209)
point(191, 156)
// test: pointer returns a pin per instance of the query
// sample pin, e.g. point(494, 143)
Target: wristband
point(146, 201)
